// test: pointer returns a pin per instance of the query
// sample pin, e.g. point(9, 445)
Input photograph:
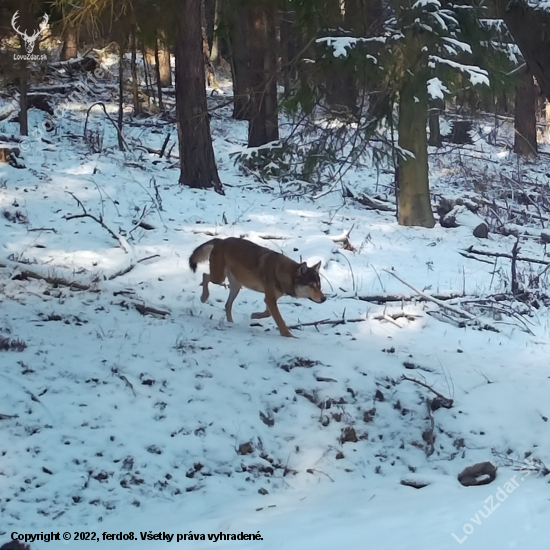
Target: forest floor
point(135, 408)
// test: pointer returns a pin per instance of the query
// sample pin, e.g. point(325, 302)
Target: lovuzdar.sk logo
point(30, 41)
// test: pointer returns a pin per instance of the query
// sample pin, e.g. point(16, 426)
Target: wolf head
point(308, 283)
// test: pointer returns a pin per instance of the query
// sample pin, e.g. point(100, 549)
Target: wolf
point(247, 264)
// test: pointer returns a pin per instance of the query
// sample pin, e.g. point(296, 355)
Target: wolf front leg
point(271, 303)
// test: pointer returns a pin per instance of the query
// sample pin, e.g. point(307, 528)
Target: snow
point(340, 44)
point(436, 89)
point(426, 3)
point(476, 74)
point(118, 422)
point(459, 44)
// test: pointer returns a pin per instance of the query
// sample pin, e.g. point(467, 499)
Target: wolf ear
point(317, 267)
point(302, 268)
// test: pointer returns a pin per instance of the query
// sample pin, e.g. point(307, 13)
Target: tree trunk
point(263, 126)
point(70, 44)
point(413, 201)
point(157, 75)
point(133, 69)
point(164, 59)
point(23, 101)
point(525, 123)
point(23, 74)
point(340, 78)
point(198, 165)
point(215, 50)
point(145, 55)
point(240, 64)
point(288, 48)
point(365, 17)
point(433, 123)
point(210, 74)
point(529, 28)
point(120, 92)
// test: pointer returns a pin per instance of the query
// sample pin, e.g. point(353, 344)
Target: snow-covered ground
point(118, 422)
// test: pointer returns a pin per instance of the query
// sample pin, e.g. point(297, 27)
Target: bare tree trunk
point(120, 91)
point(157, 74)
point(365, 17)
point(210, 74)
point(263, 126)
point(70, 44)
point(529, 29)
point(215, 50)
point(164, 58)
point(288, 47)
point(133, 69)
point(525, 122)
point(23, 101)
point(23, 76)
point(198, 165)
point(240, 64)
point(340, 76)
point(414, 206)
point(146, 53)
point(433, 123)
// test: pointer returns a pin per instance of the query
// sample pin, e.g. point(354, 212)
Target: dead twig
point(112, 121)
point(344, 239)
point(121, 240)
point(332, 322)
point(384, 298)
point(440, 303)
point(471, 250)
point(8, 416)
point(429, 435)
point(515, 252)
point(445, 402)
point(27, 273)
point(148, 310)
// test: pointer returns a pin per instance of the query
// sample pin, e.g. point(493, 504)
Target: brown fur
point(247, 264)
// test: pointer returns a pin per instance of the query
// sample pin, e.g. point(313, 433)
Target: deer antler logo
point(29, 40)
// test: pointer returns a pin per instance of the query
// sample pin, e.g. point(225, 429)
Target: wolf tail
point(202, 253)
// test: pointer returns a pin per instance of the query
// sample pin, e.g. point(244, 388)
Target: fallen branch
point(392, 317)
point(148, 258)
point(121, 240)
point(163, 148)
point(471, 257)
point(445, 402)
point(382, 299)
point(344, 239)
point(332, 322)
point(142, 308)
point(440, 303)
point(471, 250)
point(374, 204)
point(148, 310)
point(121, 272)
point(27, 273)
point(43, 229)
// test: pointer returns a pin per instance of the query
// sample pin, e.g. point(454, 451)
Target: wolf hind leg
point(234, 289)
point(261, 314)
point(205, 291)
